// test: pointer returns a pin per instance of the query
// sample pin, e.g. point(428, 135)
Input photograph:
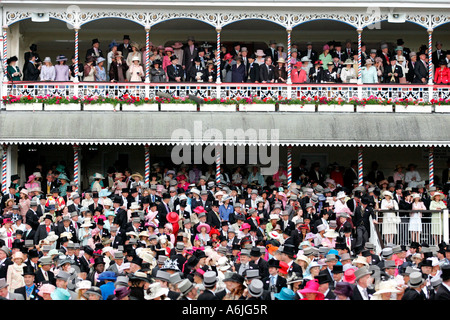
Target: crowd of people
point(191, 62)
point(249, 237)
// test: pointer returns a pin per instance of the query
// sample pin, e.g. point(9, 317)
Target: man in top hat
point(5, 294)
point(189, 54)
point(252, 70)
point(274, 282)
point(209, 281)
point(385, 55)
point(212, 217)
point(94, 51)
point(287, 256)
point(324, 286)
point(421, 69)
point(98, 268)
point(31, 216)
point(360, 288)
point(188, 290)
point(263, 265)
point(310, 53)
point(443, 292)
point(393, 72)
point(66, 226)
point(10, 195)
point(29, 290)
point(438, 55)
point(32, 69)
point(125, 47)
point(175, 71)
point(245, 262)
point(44, 229)
point(163, 209)
point(271, 51)
point(415, 285)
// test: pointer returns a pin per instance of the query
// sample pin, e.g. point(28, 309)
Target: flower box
point(257, 107)
point(99, 107)
point(62, 107)
point(443, 108)
point(374, 108)
point(296, 107)
point(217, 107)
point(24, 106)
point(335, 108)
point(413, 108)
point(178, 107)
point(141, 107)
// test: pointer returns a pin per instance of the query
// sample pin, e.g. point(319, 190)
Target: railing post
point(359, 56)
point(360, 167)
point(445, 226)
point(217, 165)
point(431, 166)
point(147, 164)
point(4, 168)
point(289, 165)
point(76, 167)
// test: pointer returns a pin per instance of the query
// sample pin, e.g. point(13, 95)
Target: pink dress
point(166, 62)
point(279, 178)
point(24, 206)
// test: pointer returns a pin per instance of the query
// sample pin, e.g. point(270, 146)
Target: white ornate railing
point(422, 93)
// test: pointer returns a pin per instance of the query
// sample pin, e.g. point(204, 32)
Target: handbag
point(397, 219)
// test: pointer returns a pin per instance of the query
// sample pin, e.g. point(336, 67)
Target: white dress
point(389, 225)
point(415, 222)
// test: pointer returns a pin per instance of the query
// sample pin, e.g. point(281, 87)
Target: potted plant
point(333, 105)
point(441, 105)
point(177, 104)
point(372, 104)
point(302, 104)
point(222, 104)
point(22, 103)
point(256, 104)
point(58, 103)
point(99, 103)
point(411, 105)
point(133, 103)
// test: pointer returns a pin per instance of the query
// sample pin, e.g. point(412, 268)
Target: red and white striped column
point(289, 165)
point(147, 164)
point(217, 165)
point(431, 166)
point(147, 55)
point(4, 168)
point(288, 62)
point(430, 55)
point(76, 71)
point(359, 56)
point(360, 167)
point(76, 167)
point(218, 81)
point(5, 51)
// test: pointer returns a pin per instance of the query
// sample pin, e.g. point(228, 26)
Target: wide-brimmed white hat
point(361, 260)
point(341, 194)
point(87, 223)
point(387, 287)
point(51, 236)
point(98, 176)
point(222, 264)
point(84, 284)
point(387, 193)
point(442, 196)
point(155, 291)
point(135, 206)
point(330, 233)
point(274, 217)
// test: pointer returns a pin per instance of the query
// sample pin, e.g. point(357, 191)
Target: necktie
point(48, 229)
point(272, 280)
point(45, 275)
point(366, 296)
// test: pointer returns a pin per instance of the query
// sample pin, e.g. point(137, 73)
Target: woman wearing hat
point(7, 232)
point(24, 203)
point(64, 184)
point(415, 220)
point(387, 290)
point(135, 70)
point(12, 70)
point(119, 67)
point(442, 73)
point(280, 53)
point(62, 72)
point(85, 232)
point(203, 234)
point(113, 47)
point(48, 72)
point(89, 69)
point(369, 72)
point(398, 174)
point(311, 292)
point(348, 73)
point(168, 52)
point(343, 291)
point(299, 74)
point(325, 57)
point(14, 275)
point(157, 72)
point(99, 70)
point(380, 68)
point(436, 217)
point(134, 53)
point(280, 73)
point(390, 219)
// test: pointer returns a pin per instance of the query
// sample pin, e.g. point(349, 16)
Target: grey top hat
point(121, 281)
point(63, 275)
point(185, 286)
point(6, 250)
point(245, 252)
point(256, 288)
point(389, 264)
point(308, 251)
point(179, 246)
point(33, 203)
point(66, 218)
point(252, 274)
point(415, 279)
point(46, 248)
point(162, 275)
point(369, 246)
point(28, 243)
point(222, 250)
point(162, 259)
point(324, 250)
point(345, 256)
point(436, 281)
point(209, 279)
point(361, 272)
point(118, 255)
point(386, 252)
point(396, 249)
point(73, 214)
point(175, 278)
point(331, 257)
point(46, 260)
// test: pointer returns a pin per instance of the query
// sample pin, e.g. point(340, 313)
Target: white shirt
point(363, 292)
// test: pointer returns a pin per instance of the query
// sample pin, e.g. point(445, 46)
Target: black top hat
point(288, 249)
point(255, 252)
point(445, 275)
point(94, 41)
point(126, 37)
point(274, 263)
point(33, 47)
point(166, 195)
point(137, 260)
point(426, 263)
point(54, 190)
point(125, 190)
point(400, 42)
point(88, 250)
point(145, 200)
point(17, 244)
point(174, 57)
point(100, 222)
point(117, 200)
point(192, 262)
point(133, 190)
point(199, 254)
point(98, 261)
point(236, 247)
point(63, 239)
point(215, 203)
point(322, 278)
point(28, 271)
point(338, 268)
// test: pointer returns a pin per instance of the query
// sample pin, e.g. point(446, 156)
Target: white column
point(445, 221)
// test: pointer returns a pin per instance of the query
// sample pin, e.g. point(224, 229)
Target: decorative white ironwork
point(441, 93)
point(419, 93)
point(327, 91)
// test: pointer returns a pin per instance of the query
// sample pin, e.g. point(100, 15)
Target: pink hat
point(31, 178)
point(199, 209)
point(298, 64)
point(177, 45)
point(159, 187)
point(349, 276)
point(168, 49)
point(245, 226)
point(201, 225)
point(326, 47)
point(46, 288)
point(312, 286)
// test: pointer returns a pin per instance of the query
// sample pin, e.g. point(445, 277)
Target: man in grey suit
point(5, 294)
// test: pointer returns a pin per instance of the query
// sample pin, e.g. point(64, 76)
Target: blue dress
point(100, 74)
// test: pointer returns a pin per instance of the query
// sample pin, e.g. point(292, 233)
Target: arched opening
point(253, 34)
